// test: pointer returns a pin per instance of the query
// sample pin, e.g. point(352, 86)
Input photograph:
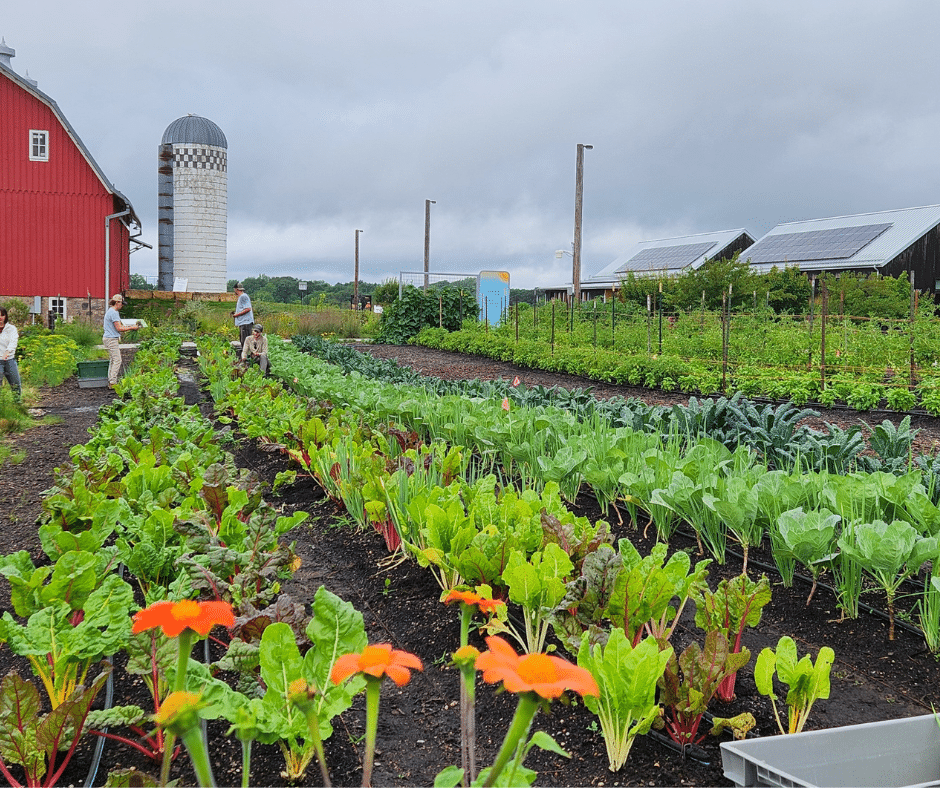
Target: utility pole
point(576, 255)
point(356, 280)
point(427, 239)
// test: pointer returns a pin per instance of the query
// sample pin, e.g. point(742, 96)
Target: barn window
point(57, 305)
point(38, 145)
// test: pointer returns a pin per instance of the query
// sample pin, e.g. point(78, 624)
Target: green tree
point(138, 282)
point(385, 293)
point(786, 290)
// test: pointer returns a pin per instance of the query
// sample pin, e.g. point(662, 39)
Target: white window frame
point(38, 145)
point(59, 305)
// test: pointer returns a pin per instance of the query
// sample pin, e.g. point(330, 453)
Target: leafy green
point(627, 677)
point(807, 682)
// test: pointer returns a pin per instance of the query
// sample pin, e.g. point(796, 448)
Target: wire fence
point(823, 341)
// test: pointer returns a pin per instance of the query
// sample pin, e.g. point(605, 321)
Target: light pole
point(427, 239)
point(576, 256)
point(356, 280)
point(559, 253)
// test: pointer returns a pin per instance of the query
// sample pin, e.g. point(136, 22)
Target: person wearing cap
point(243, 314)
point(255, 349)
point(113, 328)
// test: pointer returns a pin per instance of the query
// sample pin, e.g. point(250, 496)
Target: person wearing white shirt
point(9, 336)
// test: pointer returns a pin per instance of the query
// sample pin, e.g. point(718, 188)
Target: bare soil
point(873, 678)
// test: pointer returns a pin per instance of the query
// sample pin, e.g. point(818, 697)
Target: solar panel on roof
point(837, 243)
point(665, 257)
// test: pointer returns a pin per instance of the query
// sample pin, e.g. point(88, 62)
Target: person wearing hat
point(113, 328)
point(243, 314)
point(255, 349)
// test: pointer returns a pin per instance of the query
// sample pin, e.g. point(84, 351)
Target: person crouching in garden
point(255, 349)
point(9, 336)
point(113, 328)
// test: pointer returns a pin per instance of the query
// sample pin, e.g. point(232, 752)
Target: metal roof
point(194, 130)
point(29, 86)
point(666, 256)
point(904, 227)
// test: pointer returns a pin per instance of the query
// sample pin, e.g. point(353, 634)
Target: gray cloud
point(345, 116)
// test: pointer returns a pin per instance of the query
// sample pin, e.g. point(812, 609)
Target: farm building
point(660, 258)
point(65, 232)
point(192, 187)
point(890, 243)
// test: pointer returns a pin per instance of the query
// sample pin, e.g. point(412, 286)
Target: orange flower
point(377, 660)
point(174, 617)
point(542, 674)
point(506, 403)
point(487, 606)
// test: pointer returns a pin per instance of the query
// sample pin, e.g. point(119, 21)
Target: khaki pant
point(113, 346)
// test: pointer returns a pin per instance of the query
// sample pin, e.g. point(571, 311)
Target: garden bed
point(872, 678)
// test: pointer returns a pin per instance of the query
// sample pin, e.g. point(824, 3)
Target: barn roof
point(860, 241)
point(668, 256)
point(30, 87)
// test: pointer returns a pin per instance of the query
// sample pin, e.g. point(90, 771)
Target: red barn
point(65, 231)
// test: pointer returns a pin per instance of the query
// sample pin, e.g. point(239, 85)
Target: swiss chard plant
point(537, 585)
point(627, 677)
point(72, 621)
point(733, 606)
point(37, 741)
point(806, 681)
point(691, 681)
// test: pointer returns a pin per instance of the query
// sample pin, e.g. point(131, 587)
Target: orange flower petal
point(547, 676)
point(401, 676)
point(151, 617)
point(174, 617)
point(344, 667)
point(377, 660)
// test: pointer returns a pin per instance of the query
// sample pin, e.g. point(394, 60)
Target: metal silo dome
point(194, 130)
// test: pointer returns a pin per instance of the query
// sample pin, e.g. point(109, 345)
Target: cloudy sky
point(342, 115)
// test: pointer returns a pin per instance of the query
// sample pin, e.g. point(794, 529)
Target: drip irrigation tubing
point(871, 610)
point(108, 702)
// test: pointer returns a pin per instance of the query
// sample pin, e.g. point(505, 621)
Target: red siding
point(52, 213)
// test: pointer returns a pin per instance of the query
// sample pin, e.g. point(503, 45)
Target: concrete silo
point(193, 205)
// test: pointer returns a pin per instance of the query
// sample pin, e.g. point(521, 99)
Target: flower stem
point(246, 763)
point(373, 693)
point(313, 723)
point(467, 699)
point(468, 726)
point(185, 643)
point(199, 757)
point(515, 736)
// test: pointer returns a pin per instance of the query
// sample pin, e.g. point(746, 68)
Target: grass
point(9, 457)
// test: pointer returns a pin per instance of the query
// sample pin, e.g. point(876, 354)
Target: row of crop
point(608, 605)
point(632, 365)
point(885, 524)
point(775, 432)
point(153, 510)
point(759, 338)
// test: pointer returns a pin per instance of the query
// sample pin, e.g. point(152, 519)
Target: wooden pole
point(822, 336)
